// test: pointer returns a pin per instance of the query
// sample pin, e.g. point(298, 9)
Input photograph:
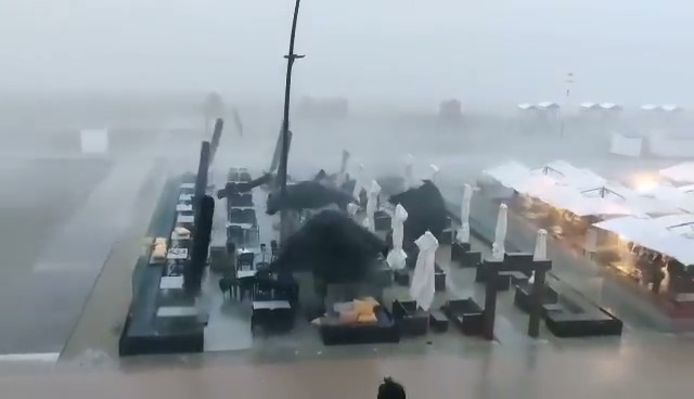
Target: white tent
point(625, 145)
point(508, 173)
point(610, 106)
point(672, 235)
point(589, 106)
point(545, 105)
point(671, 108)
point(526, 107)
point(570, 174)
point(681, 173)
point(583, 192)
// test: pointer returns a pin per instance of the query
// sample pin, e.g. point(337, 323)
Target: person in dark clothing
point(390, 389)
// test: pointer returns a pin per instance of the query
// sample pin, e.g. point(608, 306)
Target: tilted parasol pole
point(285, 124)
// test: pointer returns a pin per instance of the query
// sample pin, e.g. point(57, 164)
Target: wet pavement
point(49, 306)
point(83, 208)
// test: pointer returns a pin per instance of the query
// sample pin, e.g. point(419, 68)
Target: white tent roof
point(571, 175)
point(610, 106)
point(526, 106)
point(564, 193)
point(681, 198)
point(663, 107)
point(583, 192)
point(547, 104)
point(670, 108)
point(671, 235)
point(682, 172)
point(509, 173)
point(589, 105)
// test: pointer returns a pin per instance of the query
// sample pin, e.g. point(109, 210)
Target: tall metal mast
point(285, 124)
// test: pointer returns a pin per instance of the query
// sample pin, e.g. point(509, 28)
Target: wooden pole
point(538, 294)
point(492, 280)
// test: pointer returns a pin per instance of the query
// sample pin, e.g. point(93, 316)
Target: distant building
point(450, 110)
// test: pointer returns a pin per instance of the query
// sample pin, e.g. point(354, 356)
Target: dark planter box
point(382, 221)
point(438, 321)
point(412, 254)
point(459, 249)
point(470, 259)
point(520, 261)
point(272, 320)
point(385, 330)
point(562, 323)
point(466, 314)
point(447, 236)
point(439, 279)
point(518, 277)
point(523, 297)
point(503, 282)
point(480, 273)
point(402, 277)
point(412, 321)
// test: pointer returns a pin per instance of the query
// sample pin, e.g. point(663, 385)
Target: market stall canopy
point(580, 191)
point(662, 108)
point(547, 105)
point(633, 202)
point(671, 235)
point(610, 106)
point(508, 173)
point(681, 173)
point(572, 175)
point(671, 108)
point(667, 199)
point(589, 106)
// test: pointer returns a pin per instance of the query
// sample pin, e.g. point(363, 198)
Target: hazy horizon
point(505, 51)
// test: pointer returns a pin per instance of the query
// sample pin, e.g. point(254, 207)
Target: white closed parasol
point(423, 288)
point(540, 246)
point(372, 203)
point(463, 235)
point(540, 253)
point(434, 172)
point(359, 182)
point(396, 257)
point(500, 233)
point(409, 175)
